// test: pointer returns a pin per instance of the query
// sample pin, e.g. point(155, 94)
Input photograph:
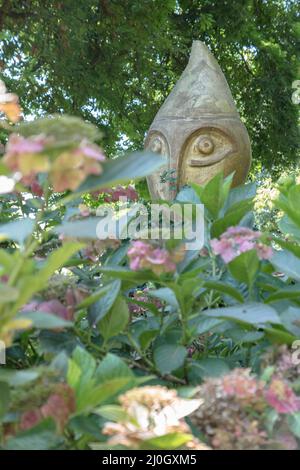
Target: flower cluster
point(59, 405)
point(233, 410)
point(96, 248)
point(67, 169)
point(285, 366)
point(281, 397)
point(144, 255)
point(152, 411)
point(114, 194)
point(9, 104)
point(51, 306)
point(60, 298)
point(237, 240)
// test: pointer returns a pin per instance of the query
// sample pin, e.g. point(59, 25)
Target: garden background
point(138, 344)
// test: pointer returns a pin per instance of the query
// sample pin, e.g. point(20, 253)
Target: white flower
point(6, 184)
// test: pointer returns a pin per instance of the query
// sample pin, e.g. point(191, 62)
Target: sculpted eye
point(204, 145)
point(204, 153)
point(207, 147)
point(157, 143)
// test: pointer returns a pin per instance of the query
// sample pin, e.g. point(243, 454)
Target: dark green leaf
point(18, 230)
point(169, 357)
point(100, 308)
point(46, 321)
point(4, 398)
point(40, 437)
point(253, 313)
point(166, 442)
point(244, 267)
point(225, 289)
point(115, 320)
point(287, 263)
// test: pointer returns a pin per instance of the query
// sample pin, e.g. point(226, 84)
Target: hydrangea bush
point(134, 343)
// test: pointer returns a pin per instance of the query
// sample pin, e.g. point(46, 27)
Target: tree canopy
point(113, 62)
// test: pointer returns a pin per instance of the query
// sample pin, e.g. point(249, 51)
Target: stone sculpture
point(198, 129)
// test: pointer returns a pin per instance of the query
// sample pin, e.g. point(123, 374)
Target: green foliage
point(86, 329)
point(40, 437)
point(169, 357)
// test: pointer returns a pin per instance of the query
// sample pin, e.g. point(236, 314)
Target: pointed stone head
point(199, 129)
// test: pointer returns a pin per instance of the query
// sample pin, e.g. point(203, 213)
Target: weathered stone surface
point(199, 129)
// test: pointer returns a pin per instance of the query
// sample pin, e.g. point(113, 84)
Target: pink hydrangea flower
point(264, 251)
point(24, 154)
point(33, 184)
point(71, 168)
point(30, 418)
point(237, 240)
point(67, 171)
point(91, 151)
point(19, 145)
point(241, 384)
point(281, 397)
point(143, 255)
point(50, 306)
point(225, 248)
point(137, 253)
point(59, 406)
point(114, 194)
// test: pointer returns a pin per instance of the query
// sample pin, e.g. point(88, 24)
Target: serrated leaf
point(98, 394)
point(127, 274)
point(18, 230)
point(115, 320)
point(225, 289)
point(169, 357)
point(112, 367)
point(113, 413)
point(287, 263)
point(166, 442)
point(17, 378)
point(40, 437)
point(244, 267)
point(294, 423)
point(100, 308)
point(4, 398)
point(253, 313)
point(165, 294)
point(45, 321)
point(232, 217)
point(58, 258)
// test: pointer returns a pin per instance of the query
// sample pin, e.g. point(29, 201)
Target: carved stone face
point(198, 129)
point(196, 152)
